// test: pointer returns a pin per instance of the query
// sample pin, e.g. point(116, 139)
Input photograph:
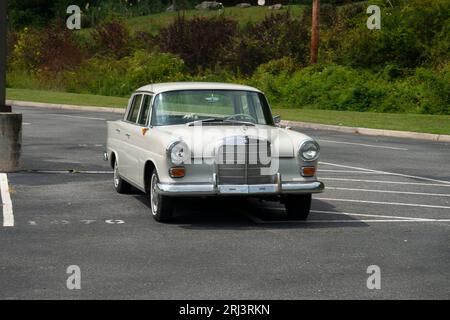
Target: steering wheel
point(241, 116)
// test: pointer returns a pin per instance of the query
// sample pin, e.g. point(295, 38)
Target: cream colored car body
point(140, 148)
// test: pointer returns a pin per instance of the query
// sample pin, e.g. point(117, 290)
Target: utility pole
point(10, 123)
point(315, 31)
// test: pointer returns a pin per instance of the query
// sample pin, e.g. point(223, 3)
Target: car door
point(138, 142)
point(127, 159)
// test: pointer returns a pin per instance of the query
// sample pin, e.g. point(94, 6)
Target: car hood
point(202, 139)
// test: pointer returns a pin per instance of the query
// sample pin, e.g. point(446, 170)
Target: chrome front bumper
point(263, 189)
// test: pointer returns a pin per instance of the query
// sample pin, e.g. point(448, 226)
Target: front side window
point(134, 109)
point(222, 106)
point(145, 110)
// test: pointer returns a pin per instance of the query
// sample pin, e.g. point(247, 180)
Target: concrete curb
point(15, 103)
point(296, 124)
point(370, 132)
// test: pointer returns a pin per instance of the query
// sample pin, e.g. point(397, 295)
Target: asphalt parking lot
point(387, 203)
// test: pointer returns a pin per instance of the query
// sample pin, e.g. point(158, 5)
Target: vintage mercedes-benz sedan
point(210, 139)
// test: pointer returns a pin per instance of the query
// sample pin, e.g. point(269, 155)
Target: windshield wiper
point(240, 122)
point(212, 120)
point(192, 123)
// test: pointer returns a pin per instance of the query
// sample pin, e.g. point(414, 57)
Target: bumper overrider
point(206, 189)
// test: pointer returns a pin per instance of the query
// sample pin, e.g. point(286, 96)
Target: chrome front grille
point(239, 160)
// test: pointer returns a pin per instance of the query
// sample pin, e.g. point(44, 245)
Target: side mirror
point(277, 120)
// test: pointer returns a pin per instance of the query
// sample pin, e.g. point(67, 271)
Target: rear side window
point(134, 110)
point(145, 110)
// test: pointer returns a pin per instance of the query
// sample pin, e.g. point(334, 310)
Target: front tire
point(120, 185)
point(298, 206)
point(161, 206)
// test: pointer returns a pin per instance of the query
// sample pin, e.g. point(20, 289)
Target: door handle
point(128, 135)
point(118, 130)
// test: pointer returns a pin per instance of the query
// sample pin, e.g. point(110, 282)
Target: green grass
point(153, 23)
point(65, 98)
point(438, 124)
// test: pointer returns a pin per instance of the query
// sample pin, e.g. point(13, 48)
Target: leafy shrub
point(50, 51)
point(197, 41)
point(11, 41)
point(107, 76)
point(273, 76)
point(409, 32)
point(112, 37)
point(343, 88)
point(434, 90)
point(276, 36)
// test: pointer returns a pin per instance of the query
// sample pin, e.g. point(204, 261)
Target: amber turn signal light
point(308, 171)
point(177, 172)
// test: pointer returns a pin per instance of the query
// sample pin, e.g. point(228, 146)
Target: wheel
point(161, 206)
point(298, 206)
point(120, 185)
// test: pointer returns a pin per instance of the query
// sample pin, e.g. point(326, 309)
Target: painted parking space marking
point(386, 203)
point(351, 171)
point(349, 221)
point(370, 215)
point(390, 191)
point(363, 145)
point(387, 173)
point(380, 218)
point(387, 182)
point(65, 222)
point(361, 215)
point(8, 216)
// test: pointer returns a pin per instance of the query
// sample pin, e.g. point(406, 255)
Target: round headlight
point(309, 150)
point(178, 152)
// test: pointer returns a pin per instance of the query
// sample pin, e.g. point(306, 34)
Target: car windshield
point(210, 107)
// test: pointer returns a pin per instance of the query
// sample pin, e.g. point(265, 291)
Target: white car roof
point(174, 86)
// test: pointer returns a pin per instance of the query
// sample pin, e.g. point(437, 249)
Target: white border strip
point(349, 221)
point(8, 216)
point(385, 172)
point(388, 203)
point(388, 182)
point(371, 215)
point(389, 191)
point(350, 171)
point(390, 219)
point(357, 215)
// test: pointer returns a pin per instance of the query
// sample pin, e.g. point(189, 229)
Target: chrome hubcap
point(154, 199)
point(116, 175)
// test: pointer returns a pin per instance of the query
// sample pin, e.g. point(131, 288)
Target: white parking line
point(388, 203)
point(350, 221)
point(385, 172)
point(350, 171)
point(388, 220)
point(389, 191)
point(370, 215)
point(359, 215)
point(364, 145)
point(8, 216)
point(79, 117)
point(388, 182)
